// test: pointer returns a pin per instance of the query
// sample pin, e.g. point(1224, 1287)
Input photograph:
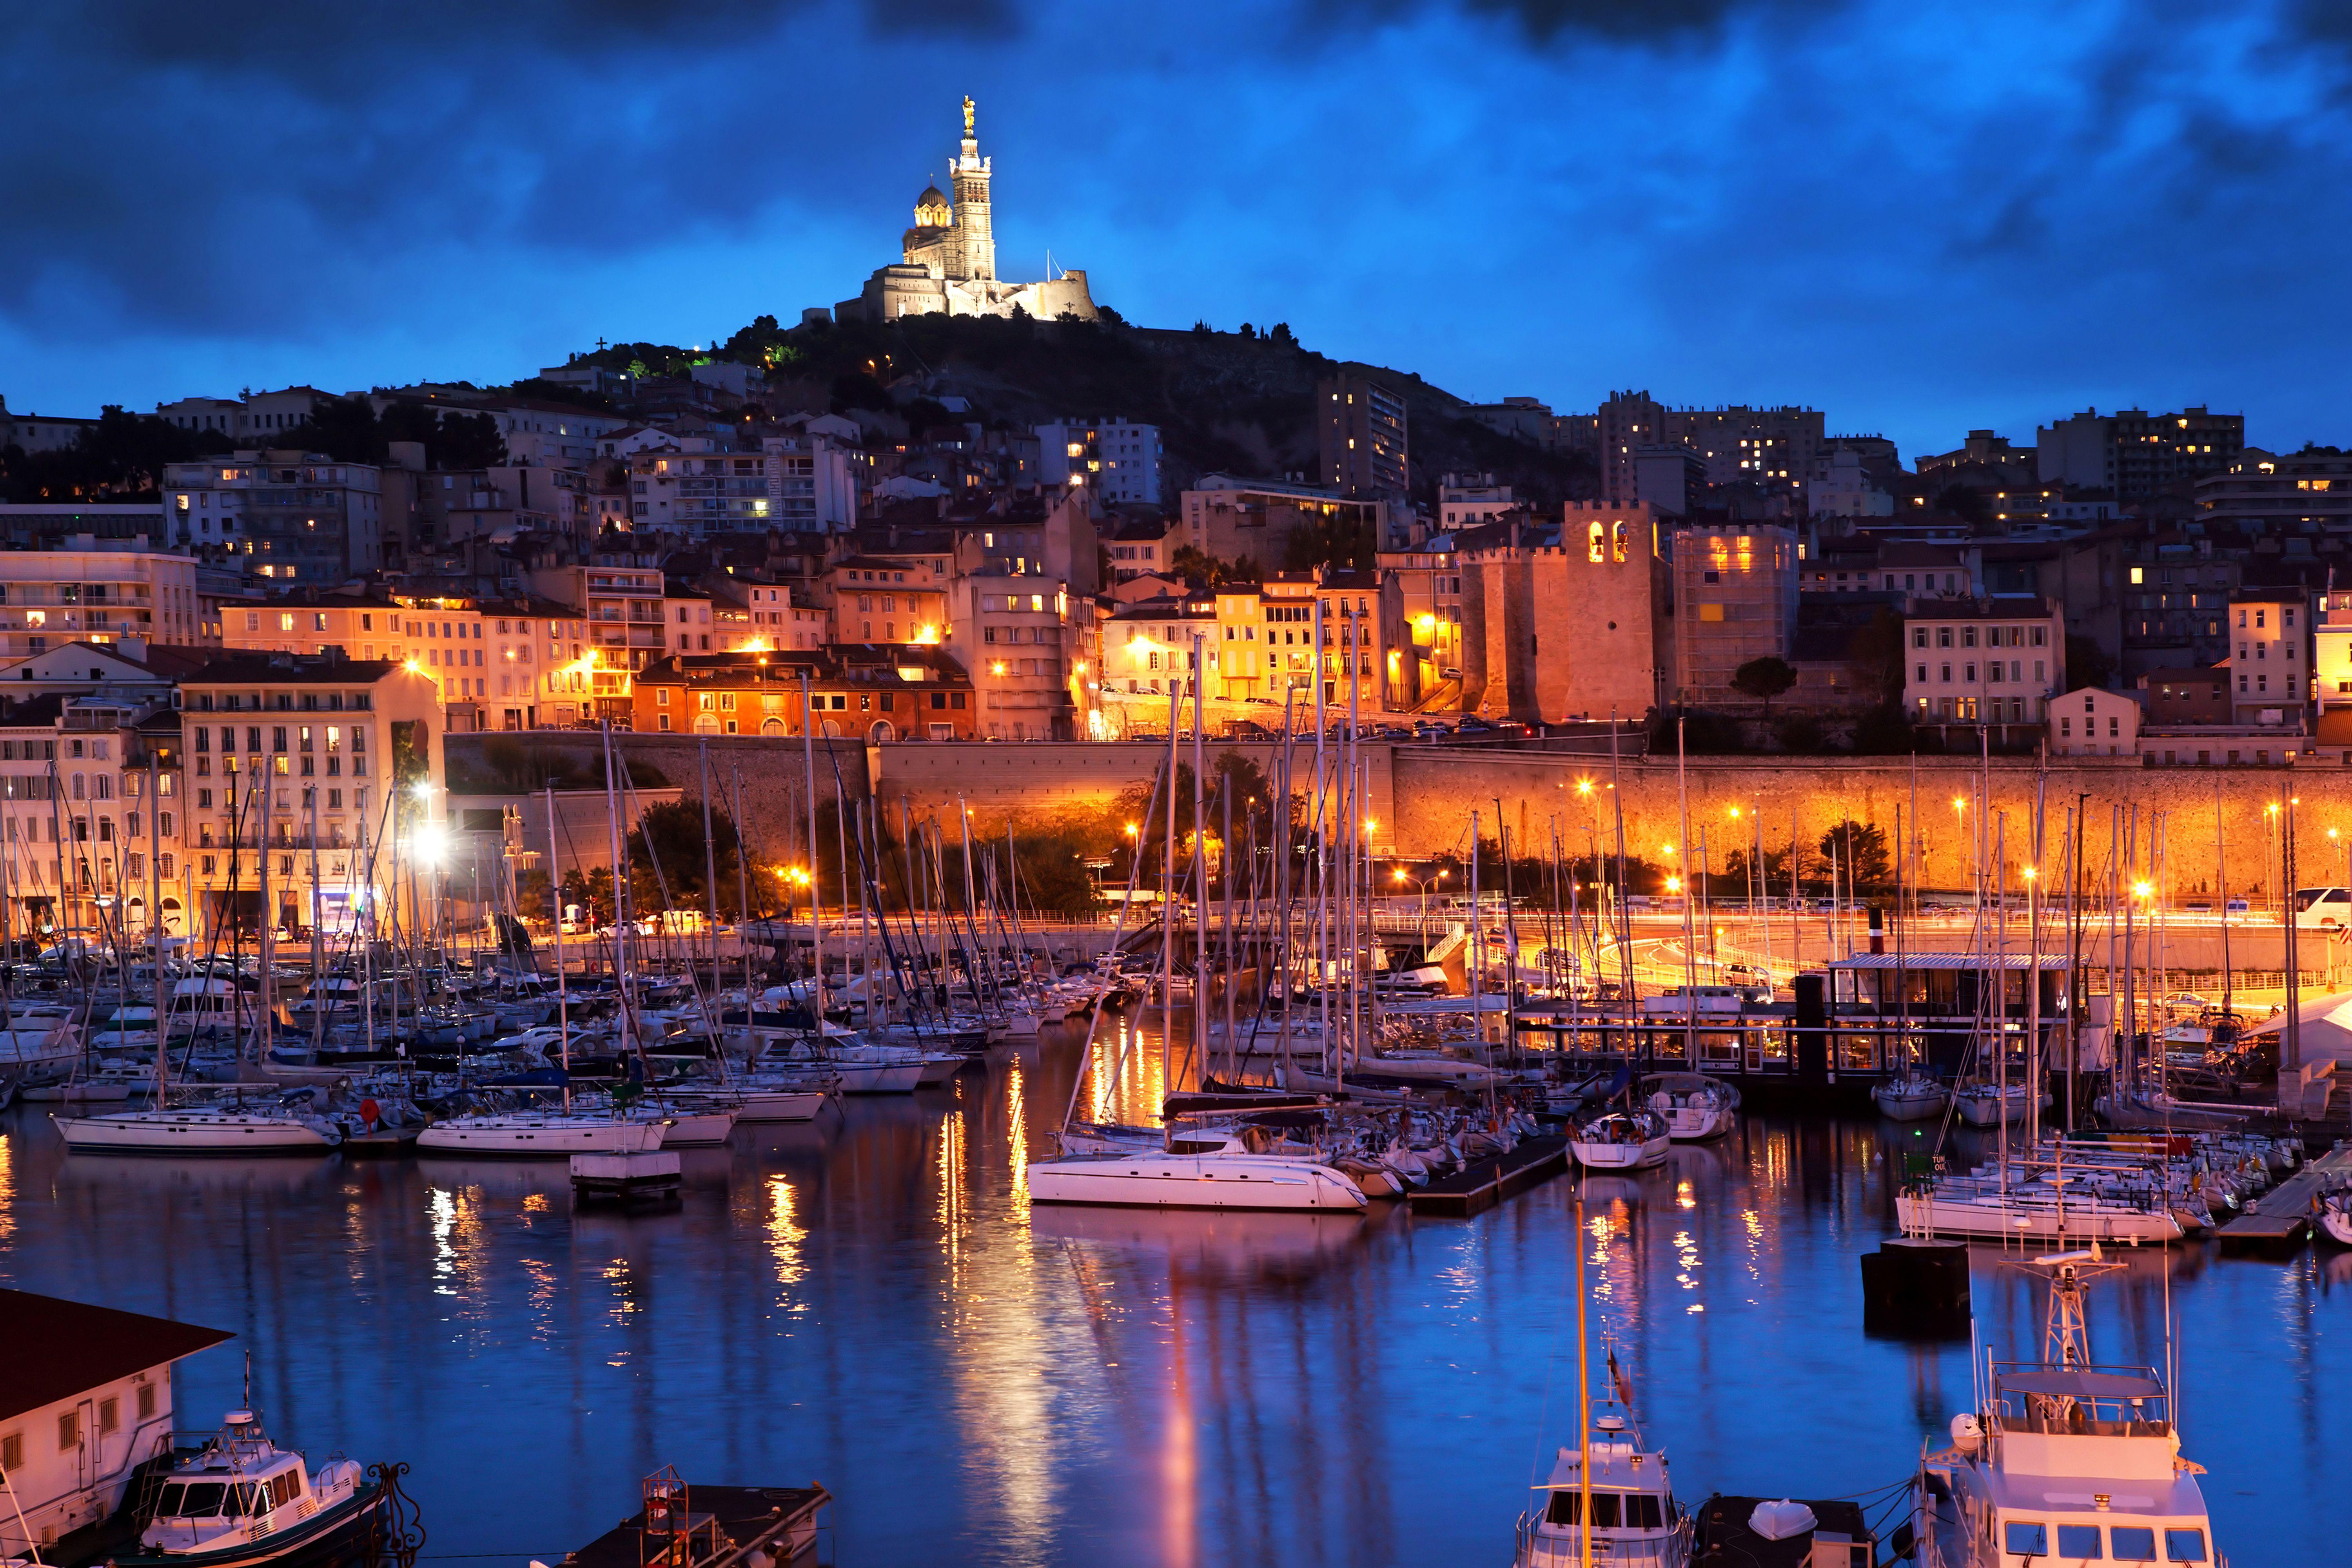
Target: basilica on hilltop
point(950, 258)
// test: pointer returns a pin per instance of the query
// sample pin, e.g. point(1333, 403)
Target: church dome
point(931, 209)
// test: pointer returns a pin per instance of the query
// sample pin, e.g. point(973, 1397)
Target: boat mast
point(1199, 861)
point(1690, 896)
point(562, 998)
point(154, 919)
point(816, 880)
point(742, 895)
point(710, 868)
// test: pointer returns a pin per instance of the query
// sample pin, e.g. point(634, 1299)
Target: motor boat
point(1634, 1516)
point(241, 1501)
point(1909, 1095)
point(1197, 1168)
point(543, 1134)
point(2335, 1217)
point(1622, 1140)
point(1695, 1107)
point(2066, 1460)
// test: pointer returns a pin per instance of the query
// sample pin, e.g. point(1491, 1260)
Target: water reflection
point(870, 1299)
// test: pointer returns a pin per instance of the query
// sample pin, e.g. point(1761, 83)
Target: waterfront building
point(87, 1400)
point(866, 693)
point(300, 767)
point(98, 592)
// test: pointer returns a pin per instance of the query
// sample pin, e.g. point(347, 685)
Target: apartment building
point(1360, 434)
point(299, 771)
point(1734, 590)
point(1140, 547)
point(49, 597)
point(1989, 661)
point(2133, 454)
point(1009, 631)
point(889, 599)
point(1255, 520)
point(2283, 494)
point(622, 607)
point(2094, 722)
point(1119, 459)
point(1159, 647)
point(2271, 655)
point(873, 695)
point(1772, 448)
point(300, 517)
point(1421, 627)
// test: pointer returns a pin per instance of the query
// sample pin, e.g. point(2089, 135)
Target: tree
point(1874, 656)
point(1883, 732)
point(2087, 665)
point(345, 429)
point(1799, 734)
point(1764, 678)
point(677, 848)
point(1859, 850)
point(1963, 501)
point(592, 891)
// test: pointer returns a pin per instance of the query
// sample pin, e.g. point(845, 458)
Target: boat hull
point(1614, 1156)
point(538, 1138)
point(1173, 1181)
point(1940, 1214)
point(698, 1129)
point(1897, 1107)
point(323, 1537)
point(780, 1104)
point(188, 1134)
point(877, 1077)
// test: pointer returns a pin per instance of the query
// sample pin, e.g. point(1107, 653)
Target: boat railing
point(1566, 1549)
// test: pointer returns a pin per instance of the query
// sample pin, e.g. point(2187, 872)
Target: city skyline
point(1920, 223)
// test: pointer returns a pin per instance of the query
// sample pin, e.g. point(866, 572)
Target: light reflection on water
point(871, 1301)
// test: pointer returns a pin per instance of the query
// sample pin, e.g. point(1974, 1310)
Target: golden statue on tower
point(967, 114)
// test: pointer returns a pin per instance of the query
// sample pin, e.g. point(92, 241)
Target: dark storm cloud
point(173, 165)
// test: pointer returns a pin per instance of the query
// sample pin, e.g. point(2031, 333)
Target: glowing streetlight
point(1584, 786)
point(2141, 889)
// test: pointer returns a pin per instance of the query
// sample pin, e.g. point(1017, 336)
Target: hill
point(1240, 402)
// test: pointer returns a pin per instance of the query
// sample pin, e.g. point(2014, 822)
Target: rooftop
point(82, 1347)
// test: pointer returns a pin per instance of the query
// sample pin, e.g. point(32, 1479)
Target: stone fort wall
point(1423, 798)
point(1438, 787)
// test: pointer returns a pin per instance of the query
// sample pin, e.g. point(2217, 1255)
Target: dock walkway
point(1484, 1183)
point(2280, 1219)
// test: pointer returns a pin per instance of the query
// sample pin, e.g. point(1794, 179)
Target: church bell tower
point(975, 232)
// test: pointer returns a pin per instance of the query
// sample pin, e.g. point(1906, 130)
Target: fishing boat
point(1631, 1140)
point(241, 1501)
point(542, 1134)
point(2066, 1460)
point(1198, 1168)
point(1634, 1517)
point(1909, 1095)
point(1696, 1107)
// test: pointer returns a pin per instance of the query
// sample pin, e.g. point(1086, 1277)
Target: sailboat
point(2064, 1461)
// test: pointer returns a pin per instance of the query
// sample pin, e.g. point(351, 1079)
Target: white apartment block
point(302, 518)
point(1984, 661)
point(48, 598)
point(2270, 655)
point(1120, 460)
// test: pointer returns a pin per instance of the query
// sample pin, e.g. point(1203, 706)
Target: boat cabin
point(240, 1478)
point(85, 1399)
point(1887, 1010)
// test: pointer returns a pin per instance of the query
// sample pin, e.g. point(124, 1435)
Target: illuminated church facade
point(949, 264)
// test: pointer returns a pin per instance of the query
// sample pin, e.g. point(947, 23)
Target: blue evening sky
point(1920, 217)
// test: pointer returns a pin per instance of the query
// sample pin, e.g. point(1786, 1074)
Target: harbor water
point(871, 1301)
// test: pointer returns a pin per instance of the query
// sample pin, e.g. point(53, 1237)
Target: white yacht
point(543, 1134)
point(759, 1098)
point(2045, 1205)
point(1634, 1516)
point(1980, 1105)
point(1909, 1095)
point(1695, 1107)
point(1199, 1168)
point(207, 1131)
point(2066, 1461)
point(242, 1501)
point(1622, 1140)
